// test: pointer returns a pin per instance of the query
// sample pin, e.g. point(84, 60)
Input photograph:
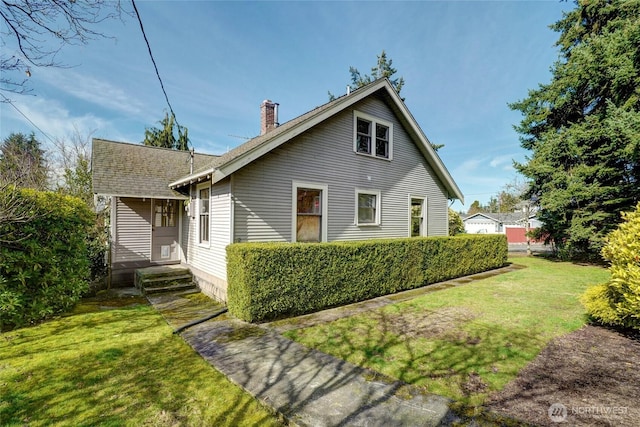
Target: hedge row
point(44, 262)
point(272, 280)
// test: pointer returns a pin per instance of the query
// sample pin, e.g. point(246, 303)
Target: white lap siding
point(131, 238)
point(209, 262)
point(133, 232)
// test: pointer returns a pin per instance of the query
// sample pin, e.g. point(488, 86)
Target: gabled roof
point(255, 148)
point(135, 170)
point(502, 217)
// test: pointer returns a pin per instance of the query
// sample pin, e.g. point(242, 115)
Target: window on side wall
point(367, 207)
point(417, 208)
point(373, 136)
point(204, 201)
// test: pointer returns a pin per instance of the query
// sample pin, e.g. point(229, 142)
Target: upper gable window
point(373, 136)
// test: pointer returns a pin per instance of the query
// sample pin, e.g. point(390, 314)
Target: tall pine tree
point(583, 128)
point(382, 69)
point(22, 162)
point(165, 136)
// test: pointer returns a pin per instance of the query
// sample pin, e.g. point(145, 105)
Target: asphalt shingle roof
point(230, 161)
point(150, 173)
point(135, 170)
point(262, 139)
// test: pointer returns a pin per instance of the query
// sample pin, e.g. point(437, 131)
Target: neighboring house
point(358, 167)
point(513, 224)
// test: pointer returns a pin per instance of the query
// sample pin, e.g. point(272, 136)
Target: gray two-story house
point(358, 167)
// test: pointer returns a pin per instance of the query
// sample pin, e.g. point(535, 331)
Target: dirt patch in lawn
point(589, 377)
point(439, 323)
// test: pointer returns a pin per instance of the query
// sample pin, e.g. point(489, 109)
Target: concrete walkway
point(308, 387)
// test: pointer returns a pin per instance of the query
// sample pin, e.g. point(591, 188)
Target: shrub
point(97, 246)
point(271, 280)
point(617, 302)
point(456, 226)
point(44, 263)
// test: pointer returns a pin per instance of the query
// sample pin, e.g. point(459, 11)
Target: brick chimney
point(268, 116)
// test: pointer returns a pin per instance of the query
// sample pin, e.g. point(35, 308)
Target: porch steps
point(165, 278)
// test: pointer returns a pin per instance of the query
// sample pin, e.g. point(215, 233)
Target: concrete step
point(172, 288)
point(165, 280)
point(160, 271)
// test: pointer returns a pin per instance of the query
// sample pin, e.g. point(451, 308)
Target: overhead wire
point(155, 66)
point(10, 102)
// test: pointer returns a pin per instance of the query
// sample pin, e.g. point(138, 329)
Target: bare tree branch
point(36, 30)
point(13, 211)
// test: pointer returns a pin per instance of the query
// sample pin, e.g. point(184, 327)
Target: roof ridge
point(144, 146)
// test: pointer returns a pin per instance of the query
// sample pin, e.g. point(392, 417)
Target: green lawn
point(467, 341)
point(125, 367)
point(121, 367)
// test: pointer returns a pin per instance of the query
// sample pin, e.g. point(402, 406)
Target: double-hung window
point(367, 207)
point(417, 207)
point(203, 215)
point(373, 136)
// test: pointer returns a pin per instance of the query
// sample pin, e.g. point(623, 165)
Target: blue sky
point(462, 62)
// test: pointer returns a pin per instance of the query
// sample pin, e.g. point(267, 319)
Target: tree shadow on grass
point(382, 372)
point(126, 369)
point(306, 385)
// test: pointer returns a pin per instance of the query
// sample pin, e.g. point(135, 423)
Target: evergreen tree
point(475, 208)
point(382, 68)
point(165, 136)
point(22, 162)
point(583, 128)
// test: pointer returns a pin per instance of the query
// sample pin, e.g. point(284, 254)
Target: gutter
point(193, 178)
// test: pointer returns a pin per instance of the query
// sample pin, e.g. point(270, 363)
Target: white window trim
point(374, 120)
point(376, 193)
point(199, 187)
point(424, 214)
point(294, 207)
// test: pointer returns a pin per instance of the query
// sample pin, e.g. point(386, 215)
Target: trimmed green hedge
point(44, 260)
point(272, 280)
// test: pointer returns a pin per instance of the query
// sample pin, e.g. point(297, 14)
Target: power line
point(8, 101)
point(154, 62)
